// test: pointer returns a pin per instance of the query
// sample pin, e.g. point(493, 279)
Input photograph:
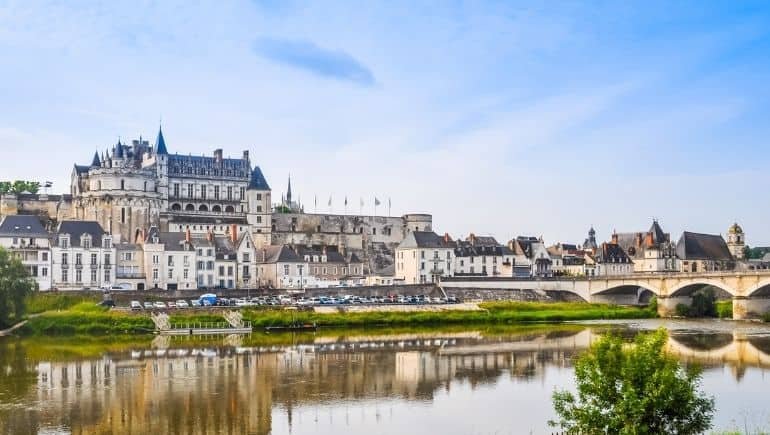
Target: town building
point(281, 267)
point(534, 250)
point(699, 252)
point(424, 257)
point(82, 256)
point(482, 256)
point(611, 260)
point(26, 238)
point(651, 251)
point(329, 267)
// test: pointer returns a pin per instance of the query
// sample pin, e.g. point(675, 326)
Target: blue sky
point(506, 118)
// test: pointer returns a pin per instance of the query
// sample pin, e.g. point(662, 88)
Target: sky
point(503, 118)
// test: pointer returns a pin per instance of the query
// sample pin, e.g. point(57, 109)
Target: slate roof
point(658, 236)
point(96, 162)
point(258, 181)
point(278, 254)
point(332, 255)
point(466, 249)
point(160, 143)
point(697, 246)
point(172, 241)
point(611, 253)
point(81, 169)
point(76, 229)
point(426, 239)
point(22, 226)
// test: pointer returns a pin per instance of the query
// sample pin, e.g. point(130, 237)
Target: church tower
point(736, 241)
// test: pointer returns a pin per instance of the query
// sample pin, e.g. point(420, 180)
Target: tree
point(15, 285)
point(5, 187)
point(633, 390)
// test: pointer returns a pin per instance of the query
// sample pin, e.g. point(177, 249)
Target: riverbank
point(86, 318)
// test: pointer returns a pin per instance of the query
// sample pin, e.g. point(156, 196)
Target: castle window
point(176, 207)
point(190, 190)
point(176, 190)
point(145, 186)
point(229, 193)
point(123, 215)
point(216, 192)
point(203, 192)
point(216, 208)
point(189, 207)
point(243, 193)
point(122, 184)
point(203, 207)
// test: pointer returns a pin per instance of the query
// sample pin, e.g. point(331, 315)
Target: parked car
point(160, 305)
point(148, 305)
point(135, 306)
point(181, 303)
point(171, 305)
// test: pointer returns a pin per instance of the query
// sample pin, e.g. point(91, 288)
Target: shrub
point(704, 303)
point(724, 309)
point(683, 310)
point(633, 390)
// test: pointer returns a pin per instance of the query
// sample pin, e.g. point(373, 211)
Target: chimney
point(234, 232)
point(614, 238)
point(246, 155)
point(210, 236)
point(649, 240)
point(188, 236)
point(218, 155)
point(638, 240)
point(446, 238)
point(472, 238)
point(323, 250)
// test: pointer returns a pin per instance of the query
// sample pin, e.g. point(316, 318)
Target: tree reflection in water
point(17, 380)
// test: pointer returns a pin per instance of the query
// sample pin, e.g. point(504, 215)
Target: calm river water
point(448, 381)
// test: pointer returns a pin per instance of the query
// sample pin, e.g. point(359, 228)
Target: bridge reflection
point(236, 387)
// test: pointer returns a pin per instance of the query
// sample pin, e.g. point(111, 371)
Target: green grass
point(41, 302)
point(88, 318)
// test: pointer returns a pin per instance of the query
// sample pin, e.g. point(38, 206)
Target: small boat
point(297, 327)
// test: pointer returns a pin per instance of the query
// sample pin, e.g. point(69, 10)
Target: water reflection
point(262, 385)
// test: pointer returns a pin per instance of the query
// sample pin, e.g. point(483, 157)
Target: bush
point(633, 390)
point(683, 310)
point(725, 309)
point(704, 303)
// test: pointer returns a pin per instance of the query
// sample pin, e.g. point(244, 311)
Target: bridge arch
point(626, 293)
point(688, 287)
point(760, 289)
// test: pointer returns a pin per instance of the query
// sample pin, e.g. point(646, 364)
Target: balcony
point(130, 275)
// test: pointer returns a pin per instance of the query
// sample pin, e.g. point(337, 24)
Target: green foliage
point(682, 310)
point(39, 302)
point(19, 186)
point(15, 285)
point(653, 304)
point(633, 390)
point(724, 309)
point(704, 303)
point(755, 253)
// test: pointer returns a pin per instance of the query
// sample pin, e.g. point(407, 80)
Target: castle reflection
point(172, 387)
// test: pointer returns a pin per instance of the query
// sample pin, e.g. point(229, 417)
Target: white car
point(135, 305)
point(181, 303)
point(160, 305)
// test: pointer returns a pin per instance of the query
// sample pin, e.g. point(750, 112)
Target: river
point(448, 381)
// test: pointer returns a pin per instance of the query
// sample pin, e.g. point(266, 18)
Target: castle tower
point(736, 241)
point(259, 215)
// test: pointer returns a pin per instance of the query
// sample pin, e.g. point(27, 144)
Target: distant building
point(282, 267)
point(482, 256)
point(82, 256)
point(611, 260)
point(736, 241)
point(424, 257)
point(650, 251)
point(26, 238)
point(536, 254)
point(703, 253)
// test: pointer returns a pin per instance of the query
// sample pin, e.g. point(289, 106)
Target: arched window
point(216, 208)
point(189, 207)
point(229, 209)
point(145, 186)
point(176, 207)
point(203, 207)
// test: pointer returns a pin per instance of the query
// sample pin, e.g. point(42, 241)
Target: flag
point(362, 202)
point(346, 200)
point(315, 200)
point(388, 202)
point(376, 202)
point(48, 184)
point(330, 200)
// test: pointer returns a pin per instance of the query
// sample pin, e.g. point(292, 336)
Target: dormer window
point(86, 242)
point(64, 241)
point(107, 243)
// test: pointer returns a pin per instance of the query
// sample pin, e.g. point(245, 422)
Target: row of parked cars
point(211, 300)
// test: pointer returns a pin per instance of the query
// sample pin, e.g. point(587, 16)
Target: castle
point(132, 187)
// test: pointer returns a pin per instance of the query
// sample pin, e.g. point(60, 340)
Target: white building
point(282, 267)
point(482, 256)
point(424, 257)
point(169, 260)
point(82, 256)
point(25, 237)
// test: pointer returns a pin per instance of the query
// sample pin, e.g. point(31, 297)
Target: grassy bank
point(89, 319)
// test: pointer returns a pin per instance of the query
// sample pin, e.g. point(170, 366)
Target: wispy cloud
point(307, 56)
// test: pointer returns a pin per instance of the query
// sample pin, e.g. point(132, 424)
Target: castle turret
point(736, 241)
point(259, 208)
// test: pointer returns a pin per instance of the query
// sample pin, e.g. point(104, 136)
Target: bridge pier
point(667, 304)
point(750, 308)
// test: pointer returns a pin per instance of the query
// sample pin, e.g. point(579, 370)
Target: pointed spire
point(96, 162)
point(288, 192)
point(160, 143)
point(118, 153)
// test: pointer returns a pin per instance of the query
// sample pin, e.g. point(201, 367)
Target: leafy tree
point(5, 187)
point(19, 186)
point(633, 390)
point(15, 285)
point(33, 186)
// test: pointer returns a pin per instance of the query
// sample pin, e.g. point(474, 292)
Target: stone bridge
point(750, 290)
